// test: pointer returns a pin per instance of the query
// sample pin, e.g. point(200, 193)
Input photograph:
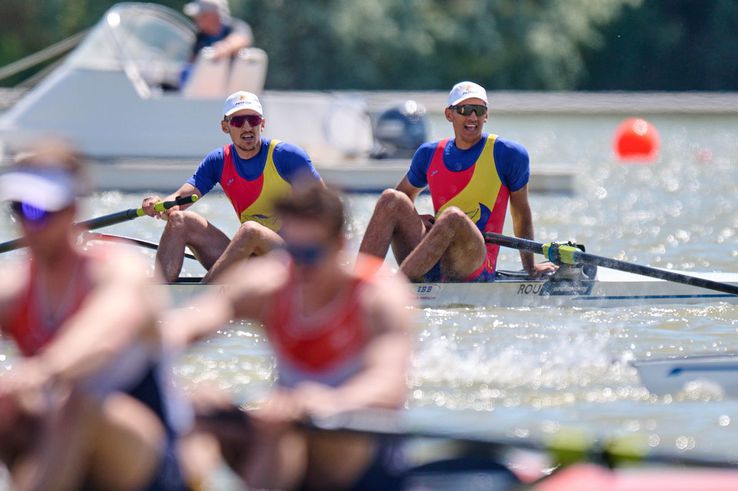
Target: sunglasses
point(306, 255)
point(254, 120)
point(467, 109)
point(30, 213)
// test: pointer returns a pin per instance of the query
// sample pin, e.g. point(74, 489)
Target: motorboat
point(118, 97)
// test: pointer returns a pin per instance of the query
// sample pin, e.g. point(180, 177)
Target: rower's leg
point(116, 445)
point(188, 229)
point(276, 460)
point(20, 431)
point(251, 239)
point(455, 241)
point(127, 445)
point(394, 221)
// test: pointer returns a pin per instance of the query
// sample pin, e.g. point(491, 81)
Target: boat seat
point(248, 71)
point(208, 77)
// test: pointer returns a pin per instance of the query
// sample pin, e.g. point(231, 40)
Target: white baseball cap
point(242, 100)
point(466, 90)
point(44, 188)
point(197, 7)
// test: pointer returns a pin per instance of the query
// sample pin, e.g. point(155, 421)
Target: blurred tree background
point(430, 44)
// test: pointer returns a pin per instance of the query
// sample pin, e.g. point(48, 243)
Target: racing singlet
point(35, 324)
point(327, 347)
point(477, 191)
point(254, 200)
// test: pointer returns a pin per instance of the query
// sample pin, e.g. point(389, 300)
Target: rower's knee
point(392, 201)
point(250, 230)
point(177, 222)
point(452, 217)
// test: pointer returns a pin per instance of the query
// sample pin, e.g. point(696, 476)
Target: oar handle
point(165, 205)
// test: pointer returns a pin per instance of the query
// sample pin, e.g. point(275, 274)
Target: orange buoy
point(637, 140)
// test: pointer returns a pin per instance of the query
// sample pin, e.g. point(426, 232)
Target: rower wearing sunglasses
point(471, 178)
point(341, 340)
point(253, 172)
point(86, 405)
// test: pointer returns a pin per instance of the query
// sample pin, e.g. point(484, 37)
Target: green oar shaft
point(133, 213)
point(108, 220)
point(571, 255)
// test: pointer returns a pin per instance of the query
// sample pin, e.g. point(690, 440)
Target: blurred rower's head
point(209, 15)
point(312, 227)
point(42, 188)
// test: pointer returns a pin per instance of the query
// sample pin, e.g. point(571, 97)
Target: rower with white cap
point(254, 172)
point(471, 179)
point(85, 405)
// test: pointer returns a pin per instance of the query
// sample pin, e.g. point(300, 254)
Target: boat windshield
point(146, 41)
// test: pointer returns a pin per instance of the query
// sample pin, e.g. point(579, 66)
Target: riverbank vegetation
point(430, 44)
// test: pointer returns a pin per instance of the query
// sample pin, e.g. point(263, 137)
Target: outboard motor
point(400, 130)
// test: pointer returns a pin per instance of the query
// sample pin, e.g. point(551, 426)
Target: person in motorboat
point(471, 178)
point(87, 404)
point(223, 35)
point(341, 337)
point(254, 172)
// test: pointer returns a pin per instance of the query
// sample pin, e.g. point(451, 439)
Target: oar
point(143, 243)
point(565, 448)
point(107, 220)
point(570, 254)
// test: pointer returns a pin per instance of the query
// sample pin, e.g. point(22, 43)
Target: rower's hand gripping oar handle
point(569, 254)
point(165, 205)
point(132, 213)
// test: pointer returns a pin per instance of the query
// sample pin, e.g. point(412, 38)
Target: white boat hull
point(610, 289)
point(671, 375)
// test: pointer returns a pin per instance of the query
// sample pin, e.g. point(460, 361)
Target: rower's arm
point(122, 309)
point(523, 227)
point(242, 294)
point(411, 191)
point(523, 223)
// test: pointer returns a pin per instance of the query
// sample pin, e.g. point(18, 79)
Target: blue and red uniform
point(253, 185)
point(478, 181)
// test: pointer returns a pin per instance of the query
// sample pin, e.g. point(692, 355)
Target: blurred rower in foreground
point(84, 407)
point(342, 342)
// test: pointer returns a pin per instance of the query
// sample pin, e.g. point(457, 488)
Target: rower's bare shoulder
point(256, 278)
point(111, 262)
point(393, 288)
point(13, 289)
point(388, 300)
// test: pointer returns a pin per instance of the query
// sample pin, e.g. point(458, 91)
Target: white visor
point(48, 189)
